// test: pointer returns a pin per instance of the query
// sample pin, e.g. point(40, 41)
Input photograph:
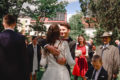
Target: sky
point(72, 7)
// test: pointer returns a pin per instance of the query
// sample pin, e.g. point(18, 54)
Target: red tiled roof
point(88, 25)
point(47, 20)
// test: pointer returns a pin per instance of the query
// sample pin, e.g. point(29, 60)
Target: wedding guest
point(118, 44)
point(97, 72)
point(110, 56)
point(81, 52)
point(34, 53)
point(13, 57)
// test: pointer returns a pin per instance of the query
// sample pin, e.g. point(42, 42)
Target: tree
point(76, 25)
point(42, 9)
point(10, 7)
point(106, 12)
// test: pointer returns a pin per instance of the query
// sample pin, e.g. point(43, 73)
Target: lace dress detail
point(54, 70)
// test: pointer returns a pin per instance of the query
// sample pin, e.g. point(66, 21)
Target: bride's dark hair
point(53, 34)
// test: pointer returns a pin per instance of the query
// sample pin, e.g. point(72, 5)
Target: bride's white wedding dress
point(54, 70)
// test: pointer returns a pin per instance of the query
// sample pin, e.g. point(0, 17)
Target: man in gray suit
point(110, 56)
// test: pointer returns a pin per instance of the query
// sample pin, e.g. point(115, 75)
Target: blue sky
point(72, 7)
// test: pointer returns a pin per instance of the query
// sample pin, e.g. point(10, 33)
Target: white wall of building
point(24, 24)
point(90, 32)
point(47, 26)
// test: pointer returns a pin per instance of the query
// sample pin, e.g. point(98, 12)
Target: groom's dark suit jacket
point(13, 58)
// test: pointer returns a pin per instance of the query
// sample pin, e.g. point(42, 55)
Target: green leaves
point(43, 9)
point(10, 7)
point(76, 25)
point(35, 10)
point(107, 13)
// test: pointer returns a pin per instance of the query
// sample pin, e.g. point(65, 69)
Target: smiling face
point(64, 32)
point(106, 40)
point(80, 39)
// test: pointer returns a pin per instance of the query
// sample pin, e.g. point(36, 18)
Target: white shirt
point(9, 29)
point(106, 45)
point(35, 60)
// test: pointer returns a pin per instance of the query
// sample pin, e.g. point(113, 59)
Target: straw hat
point(106, 34)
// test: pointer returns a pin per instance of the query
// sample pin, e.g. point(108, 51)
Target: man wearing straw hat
point(110, 56)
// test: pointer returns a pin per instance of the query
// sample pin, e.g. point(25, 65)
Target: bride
point(54, 70)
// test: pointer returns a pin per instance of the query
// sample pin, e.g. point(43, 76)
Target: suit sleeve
point(116, 61)
point(43, 43)
point(106, 76)
point(25, 57)
point(68, 56)
point(89, 73)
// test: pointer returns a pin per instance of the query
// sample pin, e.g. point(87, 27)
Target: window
point(59, 17)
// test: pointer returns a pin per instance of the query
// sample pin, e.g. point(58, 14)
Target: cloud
point(69, 15)
point(70, 1)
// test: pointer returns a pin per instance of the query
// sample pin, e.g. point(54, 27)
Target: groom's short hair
point(66, 25)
